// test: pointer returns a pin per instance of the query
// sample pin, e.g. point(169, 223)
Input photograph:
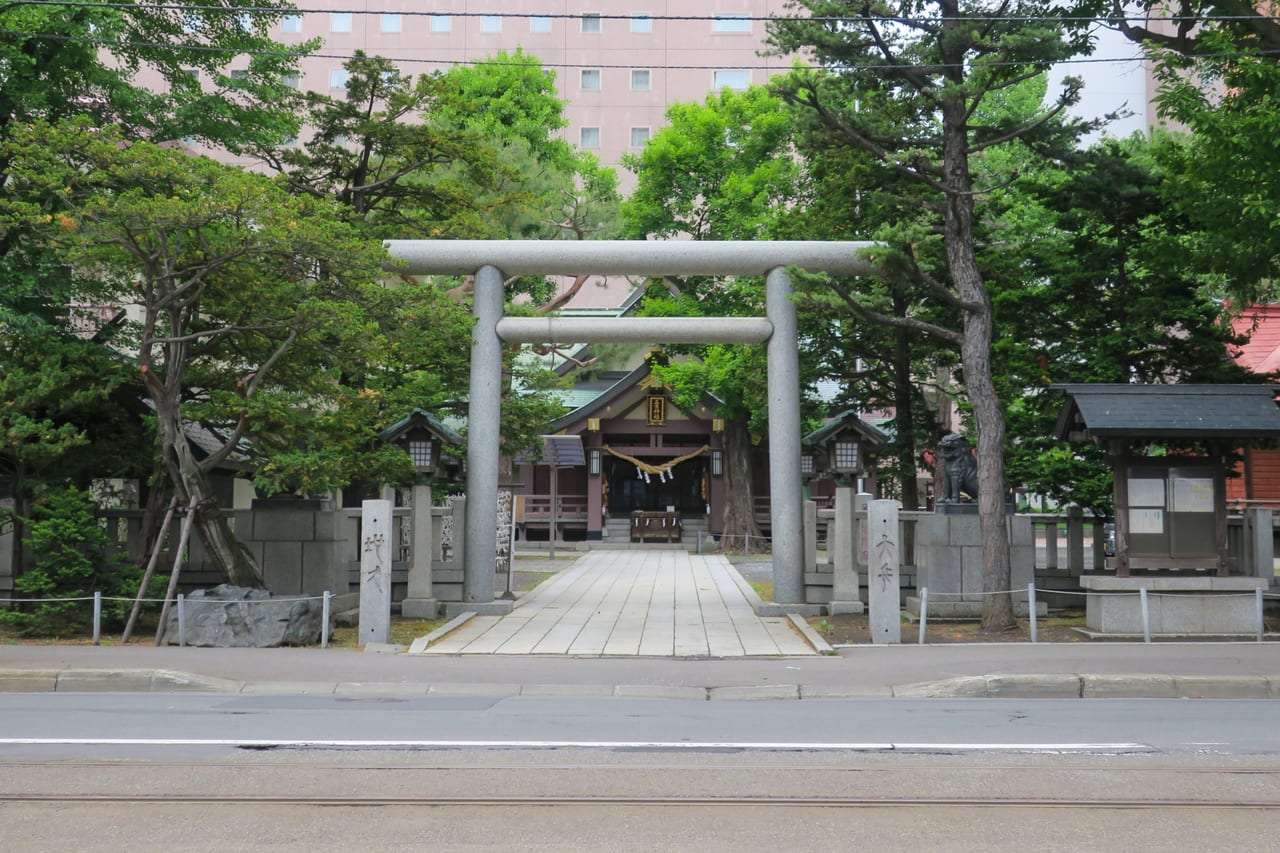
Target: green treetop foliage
point(720, 170)
point(467, 153)
point(375, 152)
point(1217, 63)
point(138, 66)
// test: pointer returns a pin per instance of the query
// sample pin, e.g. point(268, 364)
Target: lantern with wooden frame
point(422, 437)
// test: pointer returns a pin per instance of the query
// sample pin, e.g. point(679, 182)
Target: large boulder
point(234, 616)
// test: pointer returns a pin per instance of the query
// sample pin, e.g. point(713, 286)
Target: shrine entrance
point(492, 261)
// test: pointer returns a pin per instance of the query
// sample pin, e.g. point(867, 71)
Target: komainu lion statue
point(960, 468)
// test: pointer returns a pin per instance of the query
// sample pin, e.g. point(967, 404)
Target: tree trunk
point(904, 410)
point(211, 524)
point(190, 480)
point(975, 348)
point(739, 520)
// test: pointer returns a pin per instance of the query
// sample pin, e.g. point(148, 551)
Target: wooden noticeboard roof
point(1168, 411)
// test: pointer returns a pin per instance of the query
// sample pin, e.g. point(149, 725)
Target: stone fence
point(306, 550)
point(943, 552)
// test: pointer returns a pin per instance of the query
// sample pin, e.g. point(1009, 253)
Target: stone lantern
point(422, 436)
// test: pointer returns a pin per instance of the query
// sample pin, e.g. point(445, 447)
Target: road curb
point(1091, 686)
point(991, 686)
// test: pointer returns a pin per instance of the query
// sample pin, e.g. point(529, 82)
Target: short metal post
point(1261, 623)
point(746, 543)
point(1146, 615)
point(182, 619)
point(97, 619)
point(324, 619)
point(924, 612)
point(699, 551)
point(1031, 608)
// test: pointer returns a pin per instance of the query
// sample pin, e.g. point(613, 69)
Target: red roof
point(1262, 324)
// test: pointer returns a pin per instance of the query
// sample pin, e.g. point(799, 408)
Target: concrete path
point(637, 603)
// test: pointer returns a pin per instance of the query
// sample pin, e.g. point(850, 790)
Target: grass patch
point(402, 632)
point(764, 589)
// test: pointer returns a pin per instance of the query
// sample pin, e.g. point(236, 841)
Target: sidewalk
point(1162, 670)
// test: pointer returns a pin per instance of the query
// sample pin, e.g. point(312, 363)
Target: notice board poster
point(1192, 494)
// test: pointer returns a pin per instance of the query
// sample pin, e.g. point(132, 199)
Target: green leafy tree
point(1109, 295)
point(253, 305)
point(903, 82)
point(153, 72)
point(722, 169)
point(464, 154)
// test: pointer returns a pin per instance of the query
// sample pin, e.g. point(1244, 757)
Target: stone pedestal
point(420, 600)
point(847, 552)
point(298, 543)
point(949, 545)
point(1176, 605)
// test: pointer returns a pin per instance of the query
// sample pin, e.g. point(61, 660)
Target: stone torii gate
point(491, 261)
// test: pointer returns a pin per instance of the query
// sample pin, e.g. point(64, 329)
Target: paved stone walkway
point(642, 603)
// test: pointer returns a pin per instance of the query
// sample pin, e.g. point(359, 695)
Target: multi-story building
point(617, 65)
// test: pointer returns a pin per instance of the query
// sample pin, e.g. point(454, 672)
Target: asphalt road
point(151, 771)
point(1229, 727)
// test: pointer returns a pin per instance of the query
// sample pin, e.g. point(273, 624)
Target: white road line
point(582, 744)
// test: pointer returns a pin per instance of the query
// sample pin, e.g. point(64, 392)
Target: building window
point(441, 23)
point(540, 24)
point(639, 136)
point(239, 73)
point(338, 78)
point(590, 80)
point(291, 24)
point(191, 22)
point(641, 79)
point(589, 137)
point(293, 81)
point(390, 23)
point(641, 23)
point(245, 20)
point(591, 22)
point(339, 22)
point(732, 79)
point(490, 24)
point(736, 23)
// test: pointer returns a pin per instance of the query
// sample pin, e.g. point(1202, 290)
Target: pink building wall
point(682, 57)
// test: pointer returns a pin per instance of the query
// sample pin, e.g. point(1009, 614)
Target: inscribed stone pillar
point(842, 546)
point(420, 600)
point(375, 572)
point(883, 578)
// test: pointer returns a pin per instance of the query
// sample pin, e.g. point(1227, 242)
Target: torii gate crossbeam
point(490, 261)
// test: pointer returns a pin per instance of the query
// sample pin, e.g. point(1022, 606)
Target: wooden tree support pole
point(151, 570)
point(177, 564)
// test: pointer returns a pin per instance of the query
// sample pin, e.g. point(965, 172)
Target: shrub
point(73, 559)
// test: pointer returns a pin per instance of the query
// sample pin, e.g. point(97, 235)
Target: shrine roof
point(1168, 411)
